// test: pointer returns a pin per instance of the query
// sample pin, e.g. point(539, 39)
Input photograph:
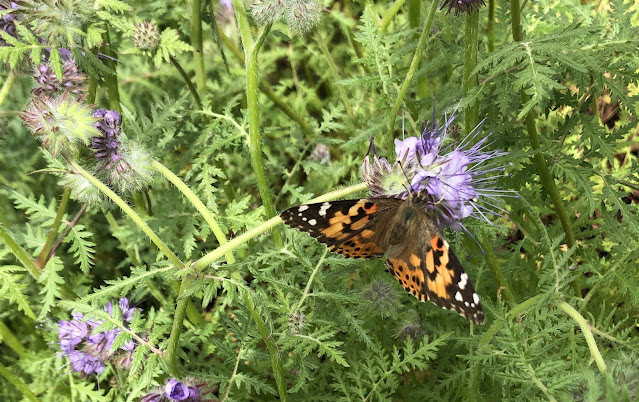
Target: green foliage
point(223, 306)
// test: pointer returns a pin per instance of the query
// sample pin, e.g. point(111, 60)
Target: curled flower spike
point(301, 15)
point(381, 299)
point(88, 350)
point(462, 6)
point(451, 180)
point(73, 80)
point(146, 36)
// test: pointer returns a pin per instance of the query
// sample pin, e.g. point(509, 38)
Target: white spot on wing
point(312, 222)
point(463, 281)
point(325, 206)
point(476, 298)
point(302, 208)
point(458, 297)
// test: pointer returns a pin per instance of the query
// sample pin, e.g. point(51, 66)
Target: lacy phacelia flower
point(60, 123)
point(175, 390)
point(296, 322)
point(107, 145)
point(146, 36)
point(462, 6)
point(88, 350)
point(447, 178)
point(73, 80)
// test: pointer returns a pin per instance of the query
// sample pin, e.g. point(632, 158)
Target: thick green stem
point(6, 87)
point(585, 329)
point(8, 338)
point(111, 80)
point(547, 180)
point(196, 43)
point(267, 90)
point(471, 40)
point(30, 264)
point(490, 27)
point(53, 232)
point(403, 90)
point(176, 329)
point(18, 383)
point(334, 71)
point(251, 50)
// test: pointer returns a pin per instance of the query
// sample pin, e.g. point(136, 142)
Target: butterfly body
point(410, 236)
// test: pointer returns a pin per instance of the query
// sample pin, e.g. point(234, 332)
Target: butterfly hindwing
point(434, 273)
point(349, 227)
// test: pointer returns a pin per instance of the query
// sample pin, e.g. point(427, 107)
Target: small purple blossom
point(7, 22)
point(447, 178)
point(176, 390)
point(87, 349)
point(73, 80)
point(108, 146)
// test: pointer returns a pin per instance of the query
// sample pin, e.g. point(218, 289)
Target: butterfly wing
point(352, 228)
point(434, 273)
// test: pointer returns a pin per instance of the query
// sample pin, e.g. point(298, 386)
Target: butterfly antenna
point(371, 147)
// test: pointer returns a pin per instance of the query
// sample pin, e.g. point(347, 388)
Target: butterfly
point(407, 232)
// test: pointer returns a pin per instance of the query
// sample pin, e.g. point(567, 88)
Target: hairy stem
point(390, 13)
point(64, 234)
point(403, 90)
point(251, 50)
point(8, 338)
point(495, 269)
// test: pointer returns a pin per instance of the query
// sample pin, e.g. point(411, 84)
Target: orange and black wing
point(432, 272)
point(354, 228)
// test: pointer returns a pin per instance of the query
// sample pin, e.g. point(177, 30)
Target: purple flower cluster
point(108, 146)
point(73, 80)
point(7, 21)
point(175, 390)
point(447, 178)
point(89, 350)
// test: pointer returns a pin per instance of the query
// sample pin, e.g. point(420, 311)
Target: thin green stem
point(585, 329)
point(6, 87)
point(546, 178)
point(8, 338)
point(403, 90)
point(515, 311)
point(170, 358)
point(53, 232)
point(197, 203)
point(111, 80)
point(471, 40)
point(196, 43)
point(259, 229)
point(495, 269)
point(187, 80)
point(276, 358)
point(334, 71)
point(18, 383)
point(164, 249)
point(310, 281)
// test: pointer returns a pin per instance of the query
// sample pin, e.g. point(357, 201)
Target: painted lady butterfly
point(418, 256)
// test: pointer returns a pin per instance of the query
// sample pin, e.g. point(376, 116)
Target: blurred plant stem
point(111, 80)
point(546, 178)
point(6, 87)
point(403, 90)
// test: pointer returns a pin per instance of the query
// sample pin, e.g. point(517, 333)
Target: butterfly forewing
point(349, 227)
